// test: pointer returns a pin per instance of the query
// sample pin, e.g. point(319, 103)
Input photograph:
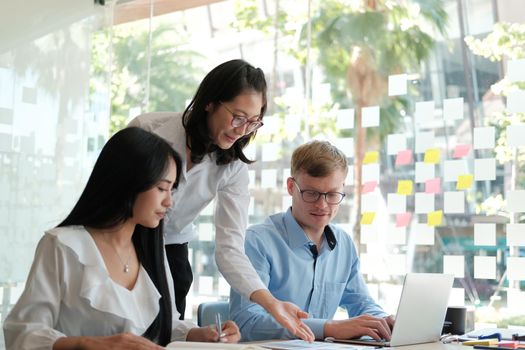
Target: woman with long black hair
point(99, 279)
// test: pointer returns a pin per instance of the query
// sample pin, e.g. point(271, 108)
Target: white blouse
point(197, 188)
point(70, 293)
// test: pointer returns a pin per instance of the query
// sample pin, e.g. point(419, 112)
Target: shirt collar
point(298, 238)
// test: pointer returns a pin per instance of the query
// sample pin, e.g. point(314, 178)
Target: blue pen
point(218, 324)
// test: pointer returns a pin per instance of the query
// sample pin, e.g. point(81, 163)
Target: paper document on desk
point(301, 344)
point(183, 345)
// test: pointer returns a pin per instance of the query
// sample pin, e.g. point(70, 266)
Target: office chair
point(206, 312)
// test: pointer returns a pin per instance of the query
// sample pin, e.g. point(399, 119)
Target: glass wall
point(424, 182)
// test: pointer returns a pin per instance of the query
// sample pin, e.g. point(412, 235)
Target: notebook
point(420, 313)
point(182, 345)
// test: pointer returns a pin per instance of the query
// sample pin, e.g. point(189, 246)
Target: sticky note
point(370, 116)
point(454, 264)
point(268, 178)
point(516, 101)
point(424, 141)
point(424, 172)
point(454, 168)
point(403, 219)
point(270, 152)
point(461, 150)
point(454, 202)
point(206, 285)
point(516, 135)
point(345, 118)
point(433, 185)
point(435, 218)
point(369, 234)
point(424, 203)
point(484, 137)
point(516, 268)
point(370, 172)
point(485, 169)
point(422, 234)
point(457, 297)
point(424, 112)
point(485, 267)
point(515, 201)
point(485, 234)
point(515, 299)
point(396, 203)
point(396, 264)
point(397, 84)
point(404, 187)
point(453, 108)
point(371, 157)
point(464, 181)
point(367, 218)
point(369, 202)
point(396, 143)
point(369, 187)
point(516, 70)
point(404, 157)
point(515, 235)
point(345, 144)
point(432, 156)
point(397, 234)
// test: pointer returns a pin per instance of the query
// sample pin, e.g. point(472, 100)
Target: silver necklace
point(124, 264)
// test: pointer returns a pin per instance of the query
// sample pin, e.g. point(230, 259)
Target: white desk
point(428, 346)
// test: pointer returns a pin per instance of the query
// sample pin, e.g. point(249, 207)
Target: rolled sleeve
point(231, 217)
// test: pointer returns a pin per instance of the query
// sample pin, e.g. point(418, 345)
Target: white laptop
point(421, 311)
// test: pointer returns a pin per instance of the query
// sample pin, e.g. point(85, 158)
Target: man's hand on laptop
point(390, 320)
point(372, 326)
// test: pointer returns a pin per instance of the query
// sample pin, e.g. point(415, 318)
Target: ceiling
point(134, 10)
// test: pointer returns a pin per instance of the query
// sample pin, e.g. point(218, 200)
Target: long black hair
point(131, 162)
point(222, 84)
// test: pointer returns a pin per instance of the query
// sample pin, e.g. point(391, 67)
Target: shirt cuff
point(317, 326)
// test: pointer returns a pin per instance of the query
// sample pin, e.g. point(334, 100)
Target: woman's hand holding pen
point(230, 333)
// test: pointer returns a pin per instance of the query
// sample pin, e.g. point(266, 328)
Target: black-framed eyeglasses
point(239, 120)
point(311, 196)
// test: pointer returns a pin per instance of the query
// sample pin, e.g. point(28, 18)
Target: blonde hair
point(318, 159)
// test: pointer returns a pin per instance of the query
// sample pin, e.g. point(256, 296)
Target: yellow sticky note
point(435, 218)
point(432, 156)
point(371, 157)
point(404, 187)
point(367, 218)
point(464, 181)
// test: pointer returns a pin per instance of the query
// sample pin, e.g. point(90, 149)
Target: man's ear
point(289, 185)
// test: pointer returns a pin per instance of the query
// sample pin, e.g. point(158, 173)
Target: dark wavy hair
point(131, 162)
point(222, 84)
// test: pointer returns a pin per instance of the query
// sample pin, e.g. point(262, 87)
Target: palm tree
point(365, 43)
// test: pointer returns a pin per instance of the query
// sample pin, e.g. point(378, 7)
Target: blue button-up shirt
point(281, 253)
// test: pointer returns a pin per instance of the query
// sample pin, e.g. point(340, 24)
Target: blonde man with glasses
point(305, 259)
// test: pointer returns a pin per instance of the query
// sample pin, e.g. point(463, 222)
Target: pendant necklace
point(124, 264)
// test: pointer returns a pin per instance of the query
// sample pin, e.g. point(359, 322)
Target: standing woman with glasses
point(220, 121)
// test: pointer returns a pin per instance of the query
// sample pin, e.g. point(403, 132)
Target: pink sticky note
point(461, 150)
point(404, 157)
point(369, 186)
point(403, 219)
point(433, 185)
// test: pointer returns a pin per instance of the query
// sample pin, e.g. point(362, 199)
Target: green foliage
point(174, 70)
point(506, 41)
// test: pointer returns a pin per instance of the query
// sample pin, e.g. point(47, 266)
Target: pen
point(218, 325)
point(489, 347)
